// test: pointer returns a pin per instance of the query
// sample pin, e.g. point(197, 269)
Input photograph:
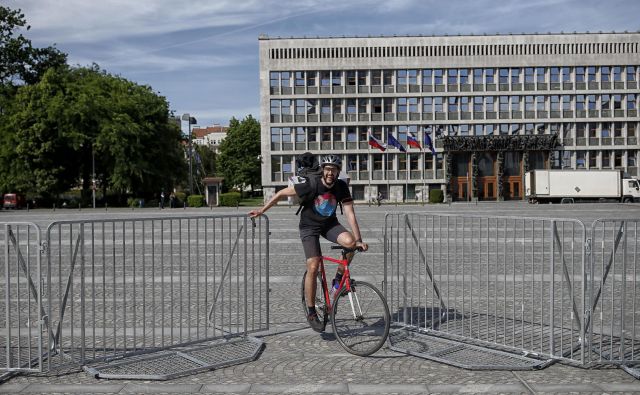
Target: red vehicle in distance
point(13, 201)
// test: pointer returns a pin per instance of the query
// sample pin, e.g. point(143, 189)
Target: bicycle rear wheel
point(319, 301)
point(361, 319)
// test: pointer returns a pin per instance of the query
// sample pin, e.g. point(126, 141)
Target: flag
point(428, 143)
point(392, 141)
point(412, 141)
point(375, 143)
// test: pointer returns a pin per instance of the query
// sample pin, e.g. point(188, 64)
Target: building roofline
point(266, 37)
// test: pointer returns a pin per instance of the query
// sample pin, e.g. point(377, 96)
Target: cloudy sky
point(202, 55)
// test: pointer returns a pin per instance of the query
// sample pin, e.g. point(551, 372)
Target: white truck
point(569, 186)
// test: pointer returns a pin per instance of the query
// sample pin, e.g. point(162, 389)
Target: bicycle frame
point(344, 262)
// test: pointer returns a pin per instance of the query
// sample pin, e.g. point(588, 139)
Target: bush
point(135, 202)
point(436, 196)
point(231, 199)
point(195, 201)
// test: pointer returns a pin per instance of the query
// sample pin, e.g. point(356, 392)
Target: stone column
point(500, 176)
point(448, 163)
point(474, 175)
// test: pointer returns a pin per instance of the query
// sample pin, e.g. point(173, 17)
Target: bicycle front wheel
point(361, 319)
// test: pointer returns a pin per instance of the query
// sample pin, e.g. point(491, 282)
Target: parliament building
point(492, 107)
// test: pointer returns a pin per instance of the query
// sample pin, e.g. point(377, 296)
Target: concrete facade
point(329, 94)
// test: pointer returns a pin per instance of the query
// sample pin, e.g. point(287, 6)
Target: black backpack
point(307, 170)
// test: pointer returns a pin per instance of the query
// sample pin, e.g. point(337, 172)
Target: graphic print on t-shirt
point(325, 204)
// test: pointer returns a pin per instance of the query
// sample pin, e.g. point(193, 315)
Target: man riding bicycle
point(318, 218)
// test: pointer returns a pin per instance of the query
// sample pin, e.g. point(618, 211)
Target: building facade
point(493, 107)
point(210, 136)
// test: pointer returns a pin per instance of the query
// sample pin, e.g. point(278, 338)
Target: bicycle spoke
point(363, 328)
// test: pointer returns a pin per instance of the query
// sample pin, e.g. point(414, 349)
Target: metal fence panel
point(613, 309)
point(506, 282)
point(22, 318)
point(123, 287)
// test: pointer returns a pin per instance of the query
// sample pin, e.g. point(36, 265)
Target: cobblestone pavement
point(297, 360)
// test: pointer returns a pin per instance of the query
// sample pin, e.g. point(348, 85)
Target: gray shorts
point(311, 238)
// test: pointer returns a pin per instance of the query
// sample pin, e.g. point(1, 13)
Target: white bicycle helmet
point(331, 160)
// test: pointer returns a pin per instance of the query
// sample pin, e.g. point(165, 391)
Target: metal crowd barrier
point(109, 289)
point(510, 283)
point(612, 317)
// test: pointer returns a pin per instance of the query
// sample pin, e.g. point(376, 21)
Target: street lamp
point(192, 121)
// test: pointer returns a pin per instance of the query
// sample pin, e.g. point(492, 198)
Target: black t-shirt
point(319, 206)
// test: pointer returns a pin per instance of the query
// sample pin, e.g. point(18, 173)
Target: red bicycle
point(359, 314)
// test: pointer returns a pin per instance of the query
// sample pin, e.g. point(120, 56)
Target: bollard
point(185, 205)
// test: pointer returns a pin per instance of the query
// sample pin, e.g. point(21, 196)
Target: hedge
point(436, 196)
point(195, 201)
point(230, 199)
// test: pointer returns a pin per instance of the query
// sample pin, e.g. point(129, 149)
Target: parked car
point(13, 200)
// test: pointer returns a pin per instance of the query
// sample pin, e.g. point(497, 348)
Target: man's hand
point(256, 213)
point(363, 246)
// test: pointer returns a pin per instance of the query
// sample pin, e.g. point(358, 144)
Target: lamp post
point(93, 175)
point(192, 121)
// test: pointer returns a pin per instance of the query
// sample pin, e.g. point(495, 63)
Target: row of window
point(454, 76)
point(356, 134)
point(453, 50)
point(605, 159)
point(441, 104)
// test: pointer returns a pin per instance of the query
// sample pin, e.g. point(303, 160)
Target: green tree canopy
point(239, 159)
point(57, 124)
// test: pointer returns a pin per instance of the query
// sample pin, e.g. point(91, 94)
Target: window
point(606, 129)
point(477, 76)
point(311, 78)
point(591, 102)
point(325, 134)
point(336, 78)
point(300, 134)
point(352, 162)
point(387, 77)
point(632, 160)
point(580, 74)
point(581, 129)
point(631, 129)
point(504, 128)
point(402, 104)
point(338, 134)
point(286, 135)
point(453, 104)
point(504, 103)
point(299, 78)
point(591, 74)
point(285, 79)
point(311, 106)
point(362, 77)
point(300, 106)
point(286, 107)
point(579, 102)
point(274, 79)
point(528, 128)
point(275, 107)
point(555, 74)
point(581, 159)
point(489, 76)
point(617, 102)
point(412, 77)
point(337, 106)
point(489, 104)
point(427, 104)
point(565, 73)
point(362, 106)
point(352, 136)
point(438, 104)
point(555, 103)
point(325, 78)
point(631, 73)
point(388, 105)
point(539, 103)
point(528, 103)
point(351, 106)
point(364, 162)
point(566, 102)
point(412, 103)
point(617, 159)
point(617, 129)
point(376, 77)
point(528, 75)
point(631, 101)
point(515, 76)
point(427, 77)
point(325, 106)
point(593, 159)
point(515, 103)
point(351, 77)
point(540, 77)
point(464, 104)
point(312, 134)
point(478, 104)
point(464, 76)
point(605, 74)
point(452, 76)
point(617, 73)
point(275, 135)
point(478, 130)
point(401, 77)
point(503, 76)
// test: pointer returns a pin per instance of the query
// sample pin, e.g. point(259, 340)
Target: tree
point(58, 123)
point(239, 158)
point(20, 61)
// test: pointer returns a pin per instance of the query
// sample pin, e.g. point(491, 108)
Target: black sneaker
point(314, 322)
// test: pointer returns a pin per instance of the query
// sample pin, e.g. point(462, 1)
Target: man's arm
point(350, 213)
point(286, 192)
